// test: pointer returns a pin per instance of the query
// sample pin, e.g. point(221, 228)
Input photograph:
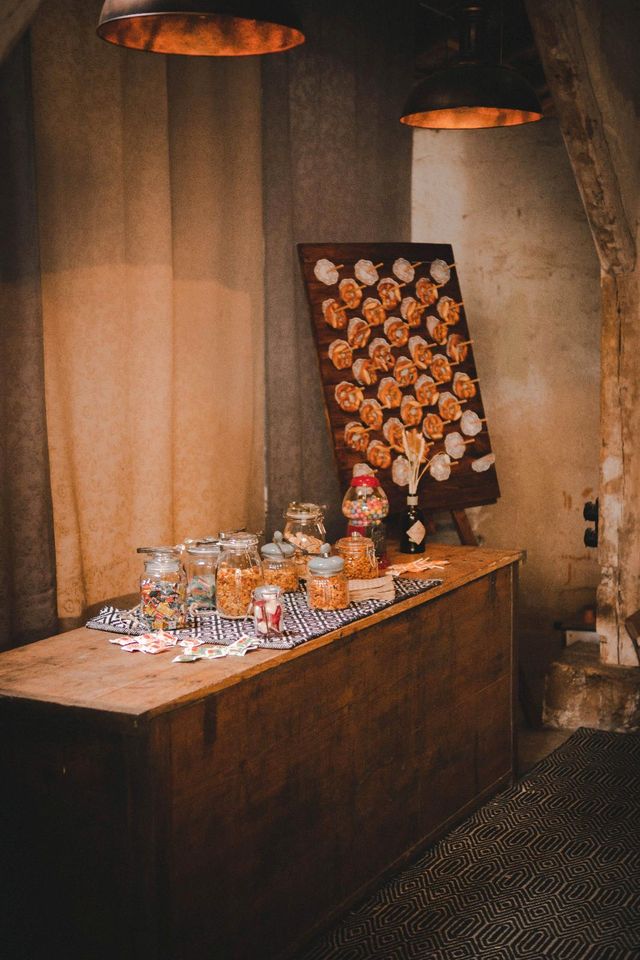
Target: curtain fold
point(336, 168)
point(27, 562)
point(14, 20)
point(151, 243)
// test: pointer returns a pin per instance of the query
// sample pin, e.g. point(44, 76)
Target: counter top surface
point(81, 669)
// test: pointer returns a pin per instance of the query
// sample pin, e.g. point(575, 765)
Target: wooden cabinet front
point(239, 821)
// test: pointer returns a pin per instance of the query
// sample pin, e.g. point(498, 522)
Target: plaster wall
point(507, 202)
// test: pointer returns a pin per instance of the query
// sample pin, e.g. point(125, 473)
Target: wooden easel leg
point(463, 526)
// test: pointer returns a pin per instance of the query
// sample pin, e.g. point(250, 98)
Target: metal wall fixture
point(472, 92)
point(201, 28)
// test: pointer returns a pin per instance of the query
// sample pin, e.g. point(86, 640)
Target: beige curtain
point(150, 228)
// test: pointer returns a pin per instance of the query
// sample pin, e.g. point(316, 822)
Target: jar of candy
point(201, 560)
point(327, 584)
point(268, 611)
point(237, 575)
point(359, 555)
point(162, 589)
point(304, 530)
point(278, 563)
point(365, 505)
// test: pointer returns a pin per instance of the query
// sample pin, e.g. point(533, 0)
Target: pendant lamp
point(201, 28)
point(472, 92)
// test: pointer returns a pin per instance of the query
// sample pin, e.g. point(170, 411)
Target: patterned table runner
point(301, 623)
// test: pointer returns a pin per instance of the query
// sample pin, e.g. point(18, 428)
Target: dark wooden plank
point(316, 780)
point(464, 487)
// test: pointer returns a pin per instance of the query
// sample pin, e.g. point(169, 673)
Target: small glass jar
point(268, 611)
point(327, 584)
point(304, 530)
point(359, 555)
point(162, 589)
point(201, 560)
point(278, 564)
point(238, 574)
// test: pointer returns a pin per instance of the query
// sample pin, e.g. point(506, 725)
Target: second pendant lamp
point(473, 92)
point(200, 27)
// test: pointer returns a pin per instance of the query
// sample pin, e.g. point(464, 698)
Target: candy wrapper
point(243, 645)
point(157, 642)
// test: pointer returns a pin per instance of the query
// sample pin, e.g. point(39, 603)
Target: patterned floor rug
point(549, 870)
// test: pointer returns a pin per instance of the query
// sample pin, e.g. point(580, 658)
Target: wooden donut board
point(465, 487)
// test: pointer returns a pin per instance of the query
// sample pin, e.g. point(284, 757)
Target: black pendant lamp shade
point(200, 27)
point(473, 92)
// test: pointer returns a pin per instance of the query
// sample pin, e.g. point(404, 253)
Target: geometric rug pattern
point(547, 870)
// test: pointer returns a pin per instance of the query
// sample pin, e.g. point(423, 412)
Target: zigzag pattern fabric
point(549, 870)
point(301, 622)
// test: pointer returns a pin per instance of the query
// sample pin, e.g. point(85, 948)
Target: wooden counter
point(226, 809)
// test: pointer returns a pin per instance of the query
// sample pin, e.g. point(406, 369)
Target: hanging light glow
point(200, 27)
point(472, 92)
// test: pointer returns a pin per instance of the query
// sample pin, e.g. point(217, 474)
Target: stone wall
point(507, 201)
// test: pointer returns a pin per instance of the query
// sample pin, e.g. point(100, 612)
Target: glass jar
point(238, 574)
point(304, 530)
point(278, 564)
point(201, 560)
point(162, 589)
point(365, 505)
point(268, 611)
point(327, 584)
point(359, 555)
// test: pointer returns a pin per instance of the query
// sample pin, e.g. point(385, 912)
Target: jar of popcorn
point(238, 573)
point(327, 584)
point(359, 555)
point(278, 564)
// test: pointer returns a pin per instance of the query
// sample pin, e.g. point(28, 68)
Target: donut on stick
point(334, 314)
point(358, 333)
point(326, 271)
point(457, 348)
point(350, 293)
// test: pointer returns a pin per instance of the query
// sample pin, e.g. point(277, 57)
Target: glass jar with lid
point(238, 573)
point(327, 585)
point(268, 611)
point(278, 564)
point(162, 589)
point(304, 530)
point(201, 560)
point(359, 555)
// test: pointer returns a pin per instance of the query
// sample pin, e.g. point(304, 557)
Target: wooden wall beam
point(557, 32)
point(579, 105)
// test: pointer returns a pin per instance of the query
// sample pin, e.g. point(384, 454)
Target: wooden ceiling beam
point(556, 29)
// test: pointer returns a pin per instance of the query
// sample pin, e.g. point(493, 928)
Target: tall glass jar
point(201, 560)
point(327, 584)
point(278, 564)
point(238, 574)
point(366, 507)
point(162, 589)
point(304, 530)
point(359, 555)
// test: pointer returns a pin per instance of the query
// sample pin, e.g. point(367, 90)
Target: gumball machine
point(366, 507)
